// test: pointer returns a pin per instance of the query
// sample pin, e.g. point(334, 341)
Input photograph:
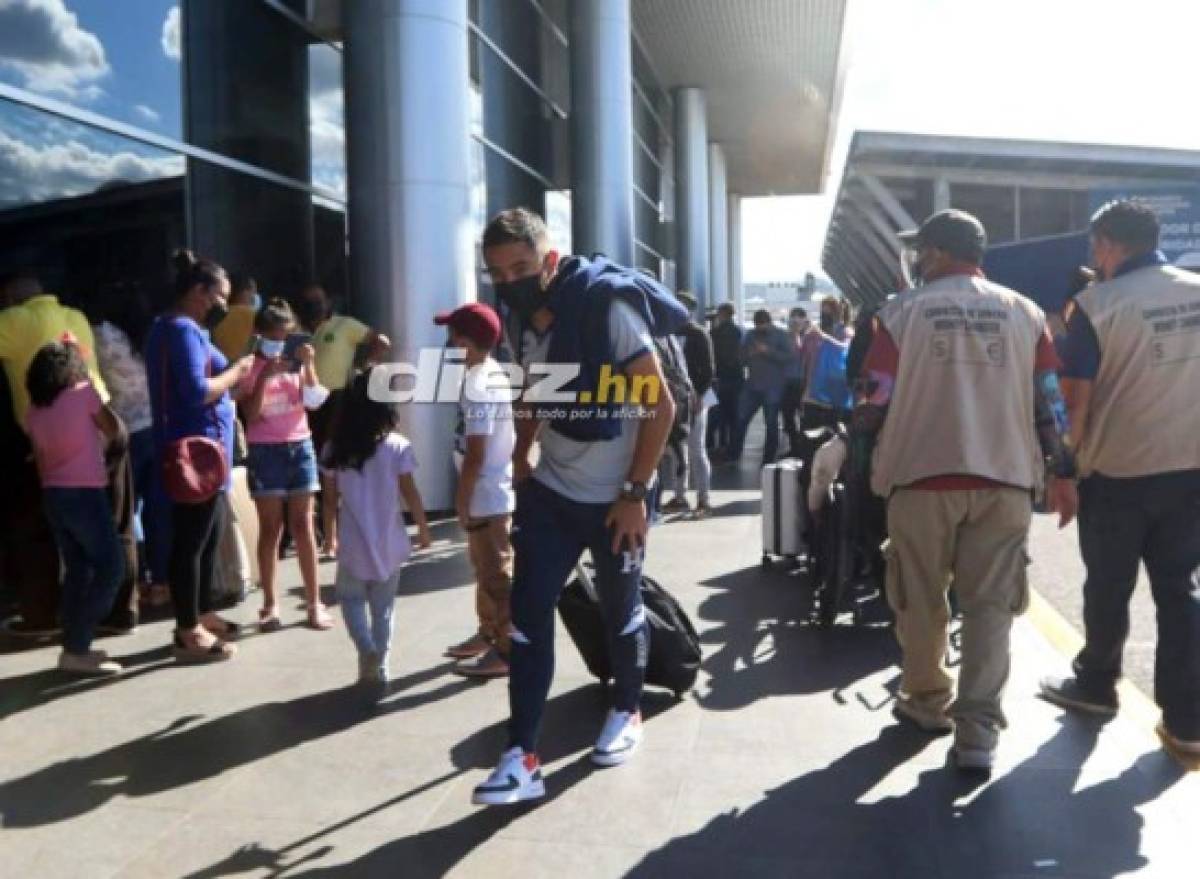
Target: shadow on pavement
point(766, 645)
point(1032, 821)
point(188, 751)
point(570, 725)
point(25, 692)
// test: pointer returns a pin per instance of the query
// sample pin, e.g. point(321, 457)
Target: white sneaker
point(94, 664)
point(619, 739)
point(517, 778)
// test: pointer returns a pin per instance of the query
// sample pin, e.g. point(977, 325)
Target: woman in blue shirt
point(190, 380)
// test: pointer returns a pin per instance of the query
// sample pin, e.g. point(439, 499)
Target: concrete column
point(602, 129)
point(941, 194)
point(411, 238)
point(736, 291)
point(691, 193)
point(666, 155)
point(718, 226)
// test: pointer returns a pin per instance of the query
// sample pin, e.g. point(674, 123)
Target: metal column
point(602, 129)
point(691, 195)
point(736, 290)
point(411, 229)
point(718, 225)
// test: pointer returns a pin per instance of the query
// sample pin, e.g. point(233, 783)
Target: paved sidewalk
point(785, 761)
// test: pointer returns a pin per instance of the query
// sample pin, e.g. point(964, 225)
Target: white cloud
point(147, 113)
point(43, 41)
point(327, 128)
point(172, 35)
point(32, 173)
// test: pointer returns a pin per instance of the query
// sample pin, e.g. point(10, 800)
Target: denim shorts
point(282, 469)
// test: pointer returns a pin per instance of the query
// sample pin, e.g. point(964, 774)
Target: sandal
point(268, 621)
point(319, 618)
point(217, 652)
point(226, 631)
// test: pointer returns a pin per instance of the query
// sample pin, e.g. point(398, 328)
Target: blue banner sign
point(1178, 210)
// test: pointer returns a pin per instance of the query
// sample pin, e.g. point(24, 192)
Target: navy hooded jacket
point(580, 297)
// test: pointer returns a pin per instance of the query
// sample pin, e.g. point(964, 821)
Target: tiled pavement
point(785, 761)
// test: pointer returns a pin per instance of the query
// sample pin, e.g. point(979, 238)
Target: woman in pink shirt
point(66, 422)
point(282, 465)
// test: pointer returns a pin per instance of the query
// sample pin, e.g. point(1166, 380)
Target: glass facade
point(653, 193)
point(131, 128)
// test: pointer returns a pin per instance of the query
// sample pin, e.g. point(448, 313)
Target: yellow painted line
point(1064, 638)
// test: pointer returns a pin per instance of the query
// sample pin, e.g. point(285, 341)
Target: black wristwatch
point(634, 492)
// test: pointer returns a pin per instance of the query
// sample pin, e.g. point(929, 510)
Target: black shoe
point(1068, 693)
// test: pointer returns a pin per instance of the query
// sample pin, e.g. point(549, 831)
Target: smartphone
point(291, 347)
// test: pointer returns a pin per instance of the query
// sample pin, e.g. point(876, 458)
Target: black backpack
point(674, 368)
point(674, 659)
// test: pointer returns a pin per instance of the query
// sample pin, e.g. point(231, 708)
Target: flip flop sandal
point(320, 620)
point(218, 652)
point(269, 622)
point(230, 631)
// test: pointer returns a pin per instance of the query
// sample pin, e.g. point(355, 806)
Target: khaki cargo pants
point(974, 541)
point(492, 558)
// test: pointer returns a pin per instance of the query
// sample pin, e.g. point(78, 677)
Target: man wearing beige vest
point(1132, 378)
point(961, 376)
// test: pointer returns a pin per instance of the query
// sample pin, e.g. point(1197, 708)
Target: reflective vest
point(1144, 416)
point(963, 400)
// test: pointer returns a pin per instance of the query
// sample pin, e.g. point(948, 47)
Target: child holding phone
point(373, 465)
point(282, 463)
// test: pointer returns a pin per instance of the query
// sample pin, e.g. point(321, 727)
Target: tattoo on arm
point(1053, 424)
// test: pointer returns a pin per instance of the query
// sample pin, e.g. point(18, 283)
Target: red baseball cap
point(475, 320)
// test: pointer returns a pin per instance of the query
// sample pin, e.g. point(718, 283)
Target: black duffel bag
point(674, 659)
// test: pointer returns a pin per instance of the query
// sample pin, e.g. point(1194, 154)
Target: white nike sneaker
point(619, 739)
point(516, 779)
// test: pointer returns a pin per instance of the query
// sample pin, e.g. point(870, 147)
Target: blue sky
point(132, 79)
point(121, 59)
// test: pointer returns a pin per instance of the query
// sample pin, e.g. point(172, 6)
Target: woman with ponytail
point(190, 381)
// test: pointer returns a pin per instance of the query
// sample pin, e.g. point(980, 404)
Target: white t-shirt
point(593, 472)
point(484, 410)
point(373, 539)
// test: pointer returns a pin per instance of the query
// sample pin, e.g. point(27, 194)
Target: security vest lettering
point(963, 401)
point(1144, 416)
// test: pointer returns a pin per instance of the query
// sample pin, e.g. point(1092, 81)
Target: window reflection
point(327, 119)
point(247, 74)
point(86, 208)
point(118, 59)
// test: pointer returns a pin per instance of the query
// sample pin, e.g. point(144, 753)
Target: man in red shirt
point(964, 394)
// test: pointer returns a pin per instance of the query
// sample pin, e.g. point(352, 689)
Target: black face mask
point(828, 322)
point(311, 312)
point(523, 296)
point(216, 314)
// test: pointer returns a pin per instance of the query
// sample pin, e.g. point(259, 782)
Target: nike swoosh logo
point(512, 784)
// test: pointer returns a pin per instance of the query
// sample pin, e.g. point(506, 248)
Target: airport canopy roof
point(862, 249)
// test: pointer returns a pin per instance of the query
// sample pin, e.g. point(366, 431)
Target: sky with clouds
point(1086, 71)
point(121, 59)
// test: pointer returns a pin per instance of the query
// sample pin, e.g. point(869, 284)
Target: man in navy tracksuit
point(597, 454)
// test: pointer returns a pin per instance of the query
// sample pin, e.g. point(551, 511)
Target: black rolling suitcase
point(674, 659)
